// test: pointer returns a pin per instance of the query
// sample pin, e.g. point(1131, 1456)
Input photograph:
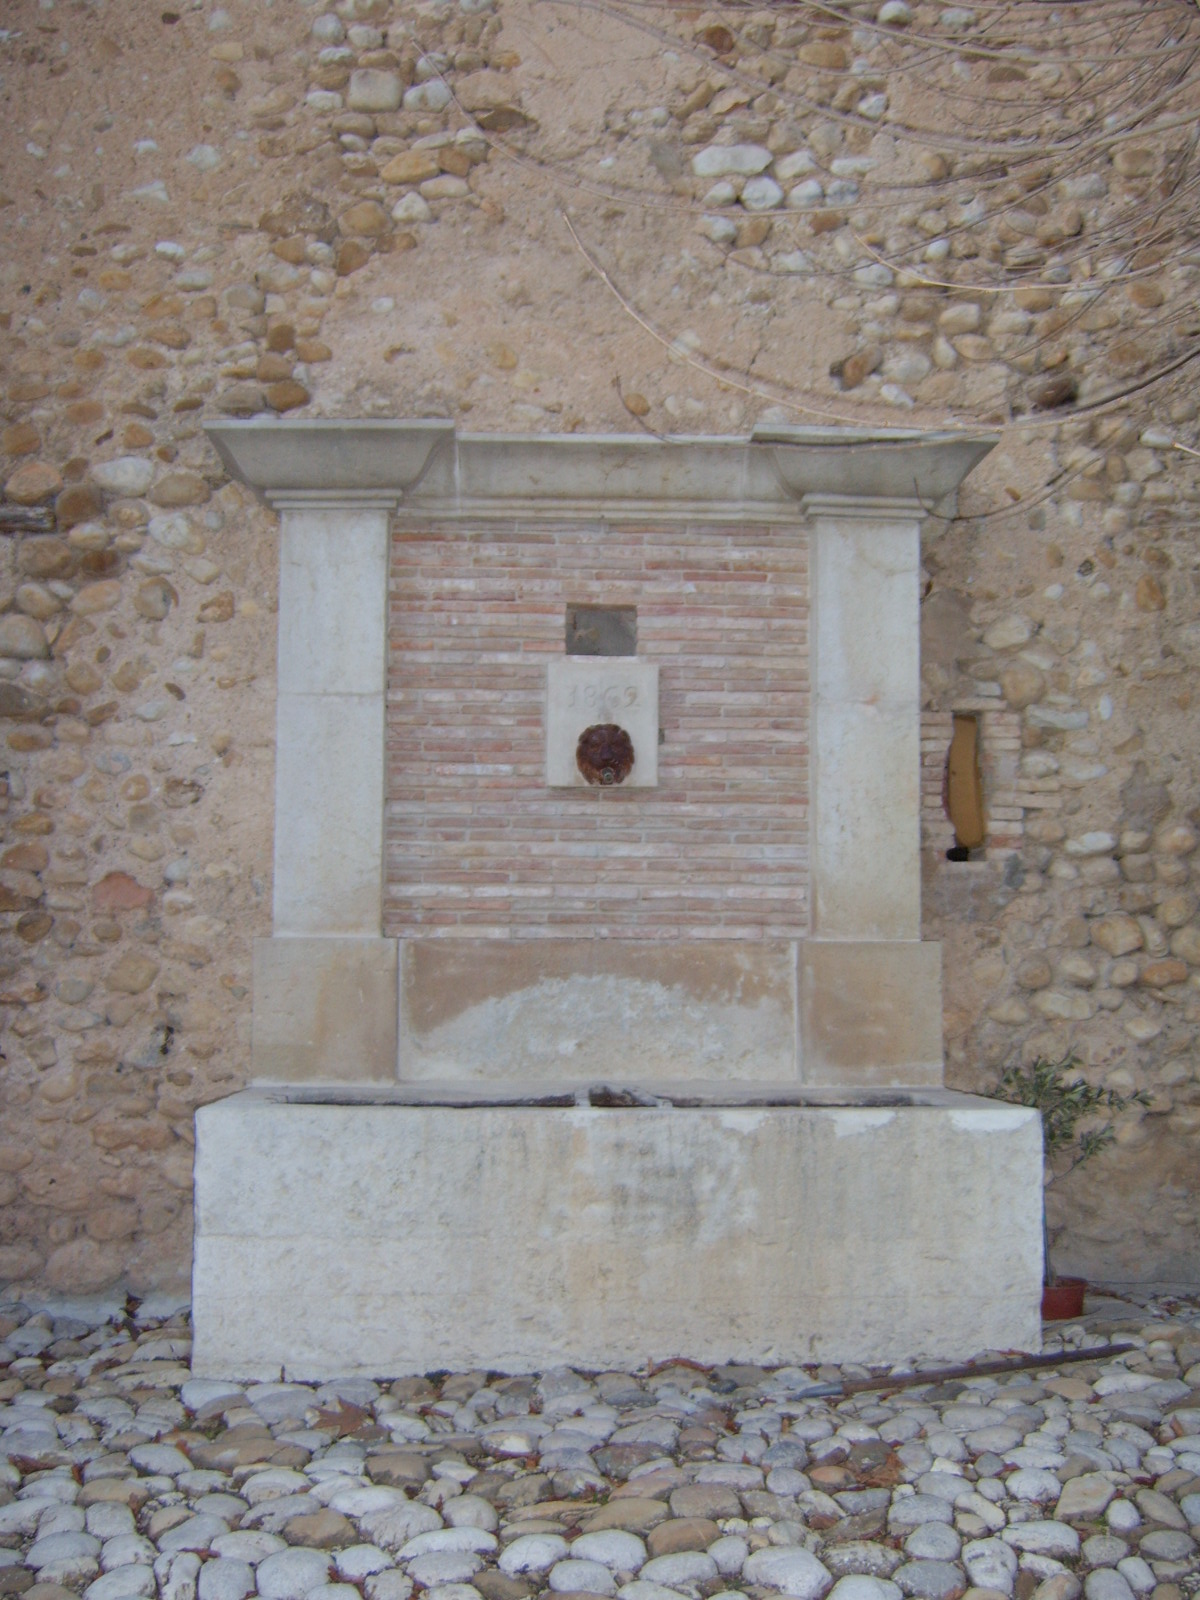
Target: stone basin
point(460, 1229)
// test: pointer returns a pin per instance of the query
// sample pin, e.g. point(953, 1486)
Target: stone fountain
point(595, 1024)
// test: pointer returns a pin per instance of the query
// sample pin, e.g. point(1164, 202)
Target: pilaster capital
point(349, 500)
point(863, 508)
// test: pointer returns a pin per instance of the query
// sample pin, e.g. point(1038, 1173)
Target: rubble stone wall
point(607, 219)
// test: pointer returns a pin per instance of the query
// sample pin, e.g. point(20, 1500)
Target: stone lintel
point(324, 1010)
point(580, 1011)
point(871, 1012)
point(438, 474)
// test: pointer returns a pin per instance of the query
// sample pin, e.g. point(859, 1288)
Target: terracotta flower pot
point(1063, 1299)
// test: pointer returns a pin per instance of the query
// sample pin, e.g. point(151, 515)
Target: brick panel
point(478, 846)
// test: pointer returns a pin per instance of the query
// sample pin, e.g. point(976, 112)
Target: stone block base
point(871, 1012)
point(324, 1008)
point(341, 1233)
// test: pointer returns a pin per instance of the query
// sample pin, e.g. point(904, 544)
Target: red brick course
point(478, 846)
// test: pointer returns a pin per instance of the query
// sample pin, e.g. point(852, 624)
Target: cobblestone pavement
point(122, 1477)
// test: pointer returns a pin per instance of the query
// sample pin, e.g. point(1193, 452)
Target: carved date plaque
point(601, 723)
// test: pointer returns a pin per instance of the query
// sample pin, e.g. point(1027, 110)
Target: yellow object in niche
point(964, 784)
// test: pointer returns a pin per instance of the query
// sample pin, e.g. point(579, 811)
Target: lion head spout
point(604, 754)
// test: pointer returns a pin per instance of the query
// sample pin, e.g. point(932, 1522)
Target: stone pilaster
point(325, 983)
point(870, 1009)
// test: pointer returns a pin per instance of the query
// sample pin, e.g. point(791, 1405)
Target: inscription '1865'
point(608, 698)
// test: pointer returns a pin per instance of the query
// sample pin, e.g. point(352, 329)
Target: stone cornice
point(437, 474)
point(329, 462)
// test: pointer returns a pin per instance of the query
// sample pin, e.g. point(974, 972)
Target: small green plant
point(1077, 1117)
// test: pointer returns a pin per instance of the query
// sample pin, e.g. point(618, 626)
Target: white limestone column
point(325, 984)
point(865, 762)
point(870, 991)
point(329, 735)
